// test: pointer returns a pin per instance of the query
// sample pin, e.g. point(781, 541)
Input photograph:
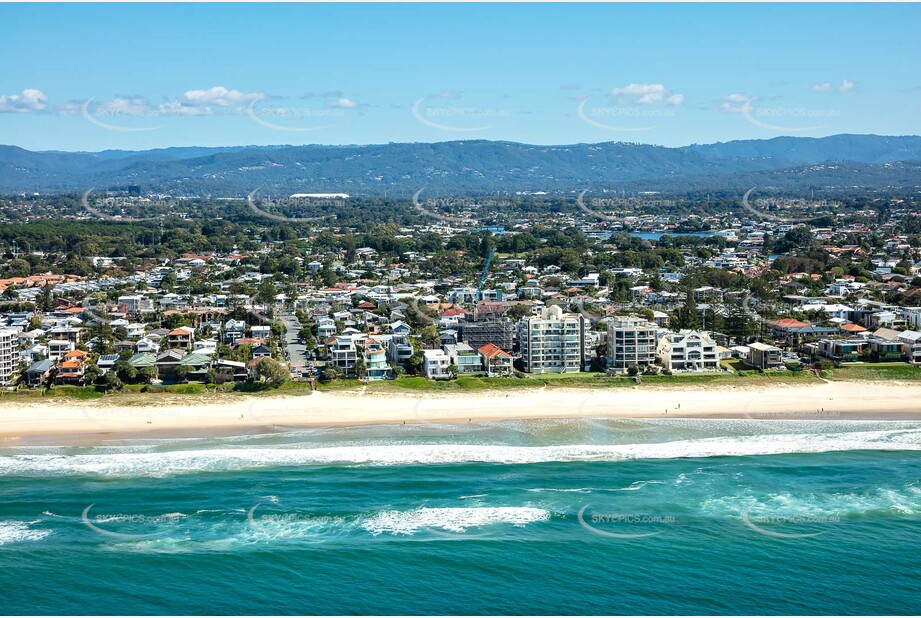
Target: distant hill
point(472, 167)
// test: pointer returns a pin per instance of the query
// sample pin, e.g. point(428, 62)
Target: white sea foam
point(20, 531)
point(904, 501)
point(221, 459)
point(450, 519)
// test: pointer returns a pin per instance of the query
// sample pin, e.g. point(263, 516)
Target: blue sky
point(137, 76)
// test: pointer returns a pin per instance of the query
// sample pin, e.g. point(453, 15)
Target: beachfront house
point(687, 350)
point(464, 358)
point(374, 356)
point(435, 364)
point(764, 356)
point(496, 361)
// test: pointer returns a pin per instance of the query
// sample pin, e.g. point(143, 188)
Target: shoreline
point(93, 420)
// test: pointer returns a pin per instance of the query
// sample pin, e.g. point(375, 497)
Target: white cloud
point(846, 86)
point(137, 106)
point(648, 94)
point(220, 96)
point(343, 102)
point(29, 100)
point(823, 87)
point(736, 102)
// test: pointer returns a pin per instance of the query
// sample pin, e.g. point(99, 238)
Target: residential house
point(326, 327)
point(231, 371)
point(147, 344)
point(167, 362)
point(399, 348)
point(688, 350)
point(343, 352)
point(233, 330)
point(435, 364)
point(261, 331)
point(57, 348)
point(262, 351)
point(39, 372)
point(764, 356)
point(135, 330)
point(181, 338)
point(105, 362)
point(374, 356)
point(464, 358)
point(496, 361)
point(911, 345)
point(846, 350)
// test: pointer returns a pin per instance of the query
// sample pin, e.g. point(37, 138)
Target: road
point(295, 351)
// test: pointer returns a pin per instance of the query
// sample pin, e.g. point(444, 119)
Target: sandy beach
point(832, 400)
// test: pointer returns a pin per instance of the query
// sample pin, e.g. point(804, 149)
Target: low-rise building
point(496, 361)
point(464, 358)
point(435, 364)
point(764, 356)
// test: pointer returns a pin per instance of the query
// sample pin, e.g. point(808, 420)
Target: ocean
point(664, 516)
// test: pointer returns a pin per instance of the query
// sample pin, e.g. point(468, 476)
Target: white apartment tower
point(8, 341)
point(553, 342)
point(631, 342)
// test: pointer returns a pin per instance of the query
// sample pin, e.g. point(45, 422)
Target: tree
point(687, 316)
point(125, 371)
point(46, 301)
point(149, 374)
point(267, 292)
point(430, 336)
point(91, 374)
point(329, 374)
point(271, 371)
point(182, 371)
point(112, 381)
point(739, 325)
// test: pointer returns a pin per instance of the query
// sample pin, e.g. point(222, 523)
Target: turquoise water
point(564, 517)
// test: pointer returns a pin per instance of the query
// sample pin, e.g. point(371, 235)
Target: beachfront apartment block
point(552, 342)
point(9, 340)
point(688, 350)
point(631, 342)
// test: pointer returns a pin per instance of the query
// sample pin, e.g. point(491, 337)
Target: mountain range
point(474, 167)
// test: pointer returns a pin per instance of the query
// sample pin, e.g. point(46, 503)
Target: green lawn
point(569, 380)
point(874, 371)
